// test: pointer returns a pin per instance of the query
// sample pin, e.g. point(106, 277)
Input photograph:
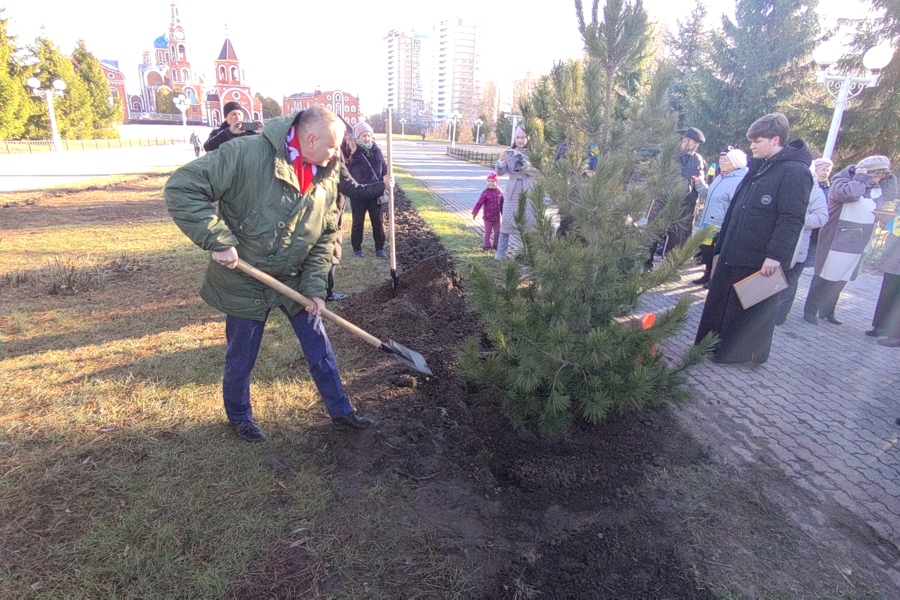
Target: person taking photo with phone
point(233, 127)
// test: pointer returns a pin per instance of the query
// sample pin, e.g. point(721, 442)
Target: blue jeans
point(243, 337)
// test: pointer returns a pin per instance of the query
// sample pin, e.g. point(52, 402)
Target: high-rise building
point(408, 76)
point(456, 74)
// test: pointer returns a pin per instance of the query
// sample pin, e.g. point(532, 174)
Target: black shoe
point(353, 420)
point(702, 280)
point(811, 319)
point(832, 320)
point(336, 297)
point(248, 431)
point(876, 332)
point(891, 342)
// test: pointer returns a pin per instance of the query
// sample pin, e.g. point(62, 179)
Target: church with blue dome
point(168, 66)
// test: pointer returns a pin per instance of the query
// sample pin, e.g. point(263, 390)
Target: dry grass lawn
point(118, 477)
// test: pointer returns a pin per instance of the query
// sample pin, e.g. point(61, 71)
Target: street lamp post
point(455, 118)
point(58, 86)
point(182, 103)
point(478, 124)
point(514, 119)
point(403, 128)
point(845, 87)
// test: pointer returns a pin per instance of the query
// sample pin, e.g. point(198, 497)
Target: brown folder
point(756, 288)
point(884, 216)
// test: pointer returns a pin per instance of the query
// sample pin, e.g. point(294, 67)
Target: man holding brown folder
point(759, 234)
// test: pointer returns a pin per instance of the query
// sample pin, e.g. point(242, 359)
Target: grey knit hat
point(875, 163)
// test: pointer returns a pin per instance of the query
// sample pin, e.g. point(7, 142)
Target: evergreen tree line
point(761, 61)
point(84, 111)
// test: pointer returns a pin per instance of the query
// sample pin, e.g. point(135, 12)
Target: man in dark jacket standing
point(692, 166)
point(232, 127)
point(759, 233)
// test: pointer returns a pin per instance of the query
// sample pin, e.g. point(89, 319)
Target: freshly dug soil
point(588, 515)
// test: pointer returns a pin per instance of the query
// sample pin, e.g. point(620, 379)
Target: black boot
point(703, 279)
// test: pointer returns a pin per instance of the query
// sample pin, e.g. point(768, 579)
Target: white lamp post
point(478, 124)
point(403, 128)
point(58, 86)
point(514, 119)
point(845, 87)
point(454, 119)
point(182, 103)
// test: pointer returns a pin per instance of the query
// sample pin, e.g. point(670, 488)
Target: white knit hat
point(737, 157)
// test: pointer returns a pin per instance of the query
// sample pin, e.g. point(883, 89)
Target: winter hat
point(737, 157)
point(875, 163)
point(520, 131)
point(695, 134)
point(821, 161)
point(230, 106)
point(360, 128)
point(492, 175)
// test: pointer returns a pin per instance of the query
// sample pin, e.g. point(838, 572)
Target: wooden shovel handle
point(304, 301)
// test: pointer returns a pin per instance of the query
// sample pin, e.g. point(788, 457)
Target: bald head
point(320, 132)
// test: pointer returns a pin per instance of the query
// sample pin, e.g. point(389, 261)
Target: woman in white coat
point(521, 179)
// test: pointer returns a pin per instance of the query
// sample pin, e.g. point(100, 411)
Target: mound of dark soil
point(588, 515)
point(568, 518)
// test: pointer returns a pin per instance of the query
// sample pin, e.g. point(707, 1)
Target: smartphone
point(510, 152)
point(249, 126)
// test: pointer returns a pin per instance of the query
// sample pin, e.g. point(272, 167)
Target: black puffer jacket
point(222, 134)
point(768, 211)
point(359, 165)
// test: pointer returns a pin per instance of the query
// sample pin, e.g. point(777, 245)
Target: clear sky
point(302, 46)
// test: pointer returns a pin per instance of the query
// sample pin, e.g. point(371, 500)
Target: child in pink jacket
point(492, 201)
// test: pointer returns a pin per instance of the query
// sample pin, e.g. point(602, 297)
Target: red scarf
point(305, 172)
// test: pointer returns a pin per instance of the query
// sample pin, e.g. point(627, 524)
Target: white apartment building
point(456, 72)
point(408, 76)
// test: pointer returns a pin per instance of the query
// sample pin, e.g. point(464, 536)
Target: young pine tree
point(564, 340)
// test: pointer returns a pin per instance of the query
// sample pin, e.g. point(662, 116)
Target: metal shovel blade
point(410, 358)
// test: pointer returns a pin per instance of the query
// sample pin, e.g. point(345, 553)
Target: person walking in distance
point(759, 234)
point(491, 201)
point(195, 142)
point(269, 200)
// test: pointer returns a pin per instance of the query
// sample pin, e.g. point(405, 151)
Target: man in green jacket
point(276, 195)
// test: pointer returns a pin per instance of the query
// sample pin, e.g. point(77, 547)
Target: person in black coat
point(232, 127)
point(367, 165)
point(759, 233)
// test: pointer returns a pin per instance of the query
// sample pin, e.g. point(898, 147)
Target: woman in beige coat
point(521, 179)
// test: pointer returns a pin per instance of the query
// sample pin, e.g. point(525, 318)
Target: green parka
point(263, 214)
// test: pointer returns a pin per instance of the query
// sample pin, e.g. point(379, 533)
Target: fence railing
point(36, 146)
point(488, 159)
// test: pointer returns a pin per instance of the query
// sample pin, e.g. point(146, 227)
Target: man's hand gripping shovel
point(410, 358)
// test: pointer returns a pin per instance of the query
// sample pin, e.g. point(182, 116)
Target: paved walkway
point(823, 408)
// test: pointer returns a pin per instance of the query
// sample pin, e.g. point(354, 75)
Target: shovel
point(395, 279)
point(410, 358)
